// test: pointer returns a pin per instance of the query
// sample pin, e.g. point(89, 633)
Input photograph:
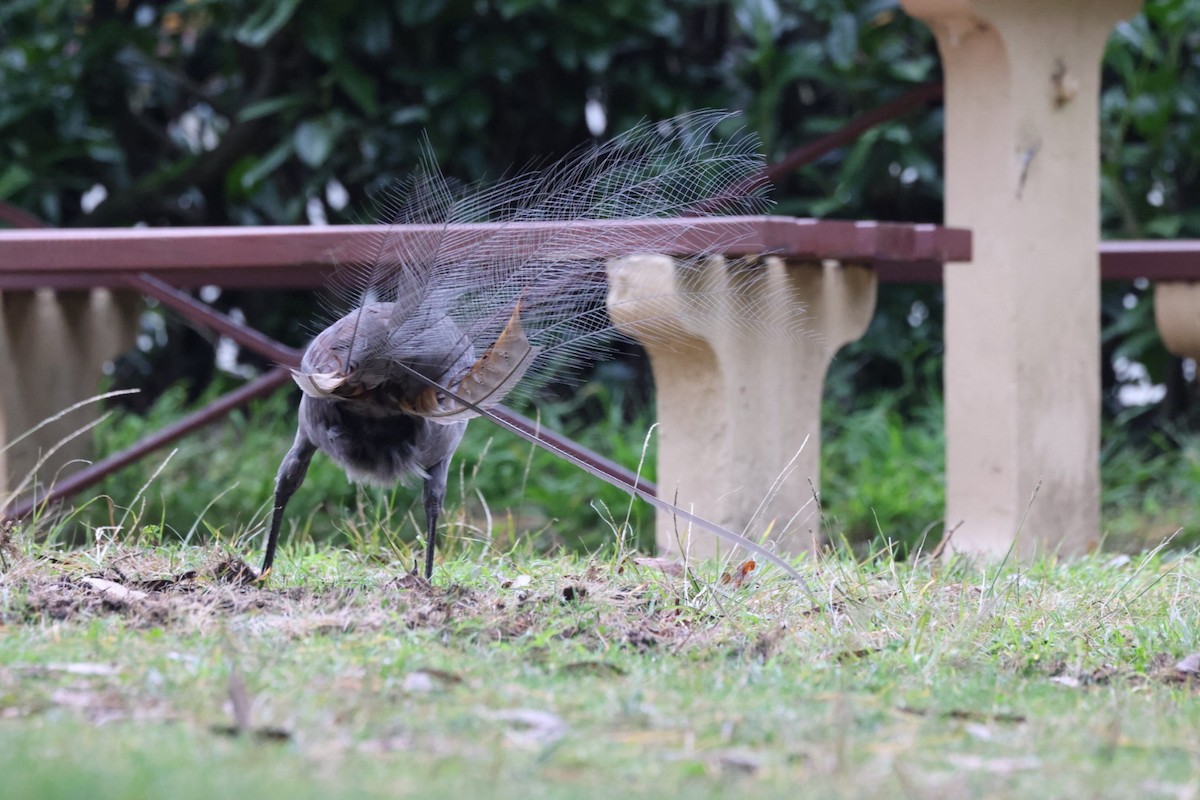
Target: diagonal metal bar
point(808, 153)
point(196, 311)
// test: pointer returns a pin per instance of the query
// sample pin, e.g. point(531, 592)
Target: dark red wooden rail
point(295, 257)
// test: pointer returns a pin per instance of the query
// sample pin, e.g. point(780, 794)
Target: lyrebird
point(472, 294)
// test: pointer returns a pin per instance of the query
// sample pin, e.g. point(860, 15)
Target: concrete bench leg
point(1023, 320)
point(734, 408)
point(1177, 315)
point(53, 346)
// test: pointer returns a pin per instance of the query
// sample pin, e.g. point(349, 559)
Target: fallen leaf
point(667, 566)
point(519, 582)
point(742, 761)
point(235, 571)
point(1188, 665)
point(163, 584)
point(410, 580)
point(114, 592)
point(417, 683)
point(1070, 681)
point(531, 726)
point(979, 731)
point(422, 681)
point(739, 575)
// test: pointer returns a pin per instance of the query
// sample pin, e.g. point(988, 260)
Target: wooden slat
point(284, 257)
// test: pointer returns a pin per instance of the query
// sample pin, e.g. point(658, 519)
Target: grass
point(517, 675)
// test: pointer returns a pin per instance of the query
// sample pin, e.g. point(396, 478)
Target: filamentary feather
point(473, 294)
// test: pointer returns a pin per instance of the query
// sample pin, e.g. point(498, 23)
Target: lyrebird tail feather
point(471, 295)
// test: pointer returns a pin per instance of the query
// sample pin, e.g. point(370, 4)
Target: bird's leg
point(291, 475)
point(435, 492)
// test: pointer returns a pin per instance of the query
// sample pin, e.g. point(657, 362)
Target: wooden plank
point(304, 257)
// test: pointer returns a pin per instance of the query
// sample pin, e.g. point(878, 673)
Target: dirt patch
point(596, 607)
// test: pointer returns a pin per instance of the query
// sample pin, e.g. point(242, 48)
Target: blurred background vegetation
point(216, 112)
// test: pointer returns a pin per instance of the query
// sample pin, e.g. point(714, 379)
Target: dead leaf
point(417, 683)
point(530, 726)
point(410, 580)
point(739, 575)
point(235, 571)
point(519, 582)
point(163, 584)
point(1188, 665)
point(114, 592)
point(668, 566)
point(742, 761)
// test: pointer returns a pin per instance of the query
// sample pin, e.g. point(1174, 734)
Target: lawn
point(134, 670)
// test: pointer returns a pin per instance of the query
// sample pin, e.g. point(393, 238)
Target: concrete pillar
point(738, 397)
point(1023, 320)
point(1177, 315)
point(53, 346)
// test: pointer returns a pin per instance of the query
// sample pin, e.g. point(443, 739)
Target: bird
point(472, 294)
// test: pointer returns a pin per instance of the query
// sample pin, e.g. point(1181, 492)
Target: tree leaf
point(359, 86)
point(314, 141)
point(264, 23)
point(266, 165)
point(842, 40)
point(14, 178)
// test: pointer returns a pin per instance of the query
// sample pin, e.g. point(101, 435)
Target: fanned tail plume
point(474, 294)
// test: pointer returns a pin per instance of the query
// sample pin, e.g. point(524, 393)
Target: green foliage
point(1149, 178)
point(883, 476)
point(217, 112)
point(1151, 488)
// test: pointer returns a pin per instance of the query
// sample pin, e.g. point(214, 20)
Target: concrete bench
point(733, 415)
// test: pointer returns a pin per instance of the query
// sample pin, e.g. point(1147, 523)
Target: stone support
point(1023, 320)
point(53, 347)
point(1177, 315)
point(739, 404)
